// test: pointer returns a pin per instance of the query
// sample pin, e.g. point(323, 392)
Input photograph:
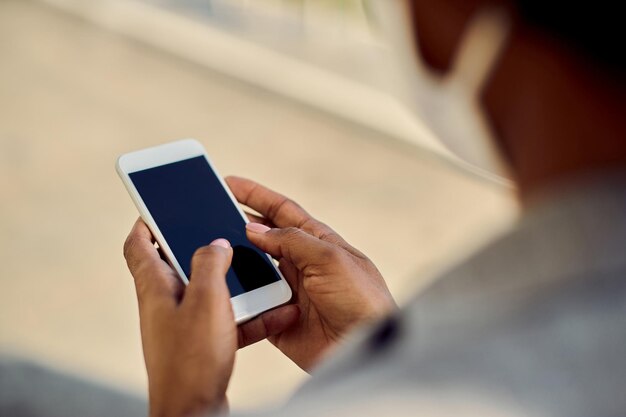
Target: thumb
point(292, 244)
point(209, 265)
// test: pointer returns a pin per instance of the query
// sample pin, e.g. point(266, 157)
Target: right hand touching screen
point(335, 286)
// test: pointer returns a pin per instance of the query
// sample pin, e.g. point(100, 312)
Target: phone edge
point(154, 229)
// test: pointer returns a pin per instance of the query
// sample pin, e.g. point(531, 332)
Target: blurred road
point(73, 97)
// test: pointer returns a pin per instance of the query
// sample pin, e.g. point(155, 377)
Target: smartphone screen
point(191, 208)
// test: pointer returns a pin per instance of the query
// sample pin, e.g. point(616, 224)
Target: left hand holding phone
point(189, 334)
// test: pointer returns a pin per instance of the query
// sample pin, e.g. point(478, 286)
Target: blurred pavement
point(73, 97)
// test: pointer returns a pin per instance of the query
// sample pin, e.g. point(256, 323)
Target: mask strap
point(480, 48)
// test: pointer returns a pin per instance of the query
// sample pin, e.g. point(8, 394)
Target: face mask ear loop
point(484, 41)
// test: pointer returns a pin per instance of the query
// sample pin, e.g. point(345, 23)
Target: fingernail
point(257, 227)
point(221, 242)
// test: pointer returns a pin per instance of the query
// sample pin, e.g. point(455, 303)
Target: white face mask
point(449, 105)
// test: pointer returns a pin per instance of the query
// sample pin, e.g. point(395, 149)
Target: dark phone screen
point(191, 208)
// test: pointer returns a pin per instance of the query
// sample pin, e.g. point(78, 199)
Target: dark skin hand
point(189, 333)
point(335, 286)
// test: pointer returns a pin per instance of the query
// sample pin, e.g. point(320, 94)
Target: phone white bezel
point(246, 305)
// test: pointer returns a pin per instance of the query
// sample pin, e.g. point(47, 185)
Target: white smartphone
point(186, 205)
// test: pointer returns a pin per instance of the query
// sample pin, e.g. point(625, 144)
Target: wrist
point(170, 406)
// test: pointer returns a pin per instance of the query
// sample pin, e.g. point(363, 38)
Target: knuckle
point(290, 236)
point(331, 254)
point(129, 244)
point(291, 204)
point(323, 227)
point(282, 204)
point(204, 252)
point(292, 233)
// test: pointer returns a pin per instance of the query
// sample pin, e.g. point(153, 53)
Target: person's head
point(554, 96)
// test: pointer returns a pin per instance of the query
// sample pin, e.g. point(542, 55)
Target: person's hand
point(189, 333)
point(335, 286)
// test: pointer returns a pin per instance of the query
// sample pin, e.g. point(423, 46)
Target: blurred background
point(294, 94)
